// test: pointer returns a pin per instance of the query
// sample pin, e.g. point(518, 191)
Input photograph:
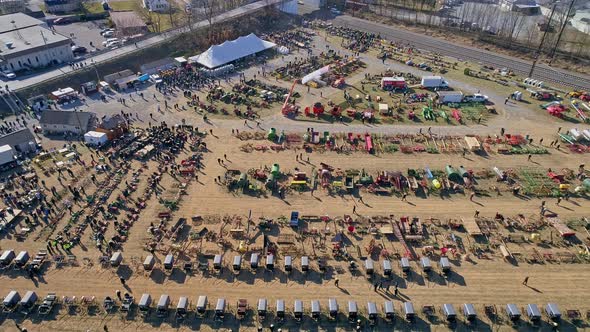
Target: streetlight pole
point(569, 11)
point(538, 52)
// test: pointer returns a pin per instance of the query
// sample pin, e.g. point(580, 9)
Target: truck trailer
point(445, 97)
point(393, 83)
point(431, 82)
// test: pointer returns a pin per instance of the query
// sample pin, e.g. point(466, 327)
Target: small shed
point(95, 138)
point(89, 87)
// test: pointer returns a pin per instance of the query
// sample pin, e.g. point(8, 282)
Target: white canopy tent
point(219, 55)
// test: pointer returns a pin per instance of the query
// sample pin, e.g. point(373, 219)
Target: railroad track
point(519, 66)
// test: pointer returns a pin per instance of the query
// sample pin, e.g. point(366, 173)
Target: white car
point(476, 98)
point(335, 11)
point(155, 79)
point(8, 74)
point(110, 41)
point(108, 34)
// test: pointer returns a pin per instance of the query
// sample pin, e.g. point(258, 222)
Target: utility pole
point(538, 52)
point(95, 70)
point(567, 17)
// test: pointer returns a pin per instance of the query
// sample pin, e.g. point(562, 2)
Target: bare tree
point(206, 10)
point(170, 11)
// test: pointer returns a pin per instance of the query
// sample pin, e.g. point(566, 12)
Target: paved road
point(522, 67)
point(26, 81)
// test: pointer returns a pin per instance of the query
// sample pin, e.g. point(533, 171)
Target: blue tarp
point(143, 77)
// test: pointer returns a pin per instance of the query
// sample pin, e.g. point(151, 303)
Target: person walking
point(558, 201)
point(396, 291)
point(476, 213)
point(530, 156)
point(354, 209)
point(337, 282)
point(526, 281)
point(122, 281)
point(471, 196)
point(404, 197)
point(118, 292)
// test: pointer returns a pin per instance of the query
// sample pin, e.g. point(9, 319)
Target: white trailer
point(445, 97)
point(431, 82)
point(6, 154)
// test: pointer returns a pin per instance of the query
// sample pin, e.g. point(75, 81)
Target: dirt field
point(149, 205)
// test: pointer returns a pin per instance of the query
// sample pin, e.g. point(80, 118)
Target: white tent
point(95, 138)
point(219, 55)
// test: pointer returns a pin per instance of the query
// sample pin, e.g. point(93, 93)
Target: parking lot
point(84, 33)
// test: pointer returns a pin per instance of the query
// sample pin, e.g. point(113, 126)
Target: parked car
point(108, 33)
point(110, 41)
point(335, 11)
point(78, 49)
point(62, 21)
point(8, 74)
point(476, 98)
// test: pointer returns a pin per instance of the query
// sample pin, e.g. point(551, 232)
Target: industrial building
point(27, 43)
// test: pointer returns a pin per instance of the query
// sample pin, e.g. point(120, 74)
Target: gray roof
point(20, 20)
point(17, 137)
point(156, 65)
point(66, 118)
point(112, 122)
point(111, 78)
point(28, 40)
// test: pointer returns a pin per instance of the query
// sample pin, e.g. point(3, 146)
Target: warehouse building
point(27, 43)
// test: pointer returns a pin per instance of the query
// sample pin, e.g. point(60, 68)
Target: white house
point(59, 122)
point(156, 5)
